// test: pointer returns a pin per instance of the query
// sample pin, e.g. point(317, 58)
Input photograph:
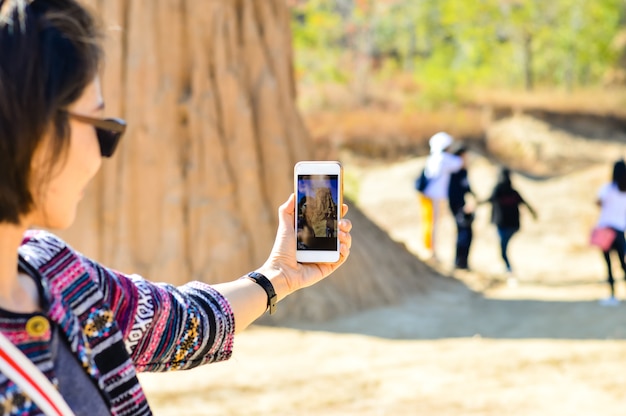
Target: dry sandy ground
point(541, 347)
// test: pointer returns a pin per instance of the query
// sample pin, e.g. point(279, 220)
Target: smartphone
point(319, 198)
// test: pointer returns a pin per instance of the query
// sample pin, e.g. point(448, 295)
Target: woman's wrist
point(278, 279)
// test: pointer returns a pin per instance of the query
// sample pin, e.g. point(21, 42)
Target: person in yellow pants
point(439, 166)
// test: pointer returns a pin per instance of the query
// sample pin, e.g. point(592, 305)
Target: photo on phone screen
point(317, 210)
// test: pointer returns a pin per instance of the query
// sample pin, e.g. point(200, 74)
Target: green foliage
point(452, 44)
point(317, 31)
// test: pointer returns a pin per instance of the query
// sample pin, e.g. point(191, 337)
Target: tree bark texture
point(208, 91)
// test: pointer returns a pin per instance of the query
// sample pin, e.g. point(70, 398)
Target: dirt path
point(542, 347)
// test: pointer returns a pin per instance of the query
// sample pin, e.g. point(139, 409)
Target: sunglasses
point(108, 130)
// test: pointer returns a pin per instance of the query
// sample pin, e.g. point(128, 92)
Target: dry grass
point(384, 122)
point(377, 133)
point(598, 101)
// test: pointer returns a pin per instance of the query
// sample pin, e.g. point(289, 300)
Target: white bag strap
point(18, 368)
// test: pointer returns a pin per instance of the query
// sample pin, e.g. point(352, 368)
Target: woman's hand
point(283, 256)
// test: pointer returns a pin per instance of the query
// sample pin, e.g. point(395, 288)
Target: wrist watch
point(265, 283)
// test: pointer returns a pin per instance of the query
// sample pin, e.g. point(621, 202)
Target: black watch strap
point(265, 283)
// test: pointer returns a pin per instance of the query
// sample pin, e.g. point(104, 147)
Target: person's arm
point(167, 327)
point(602, 194)
point(492, 198)
point(248, 299)
point(530, 208)
point(475, 202)
point(453, 163)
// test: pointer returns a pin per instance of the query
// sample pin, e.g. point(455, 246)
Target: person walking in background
point(439, 166)
point(505, 214)
point(612, 203)
point(463, 214)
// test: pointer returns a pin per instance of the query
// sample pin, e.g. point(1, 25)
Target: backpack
point(421, 182)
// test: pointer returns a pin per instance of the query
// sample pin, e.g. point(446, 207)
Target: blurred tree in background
point(449, 45)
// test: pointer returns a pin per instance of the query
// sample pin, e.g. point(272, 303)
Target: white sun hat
point(440, 141)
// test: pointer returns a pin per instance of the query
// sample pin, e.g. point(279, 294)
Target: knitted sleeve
point(167, 327)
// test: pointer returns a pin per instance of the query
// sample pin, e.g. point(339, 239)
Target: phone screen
point(317, 212)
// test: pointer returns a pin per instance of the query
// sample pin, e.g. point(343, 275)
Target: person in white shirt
point(439, 166)
point(612, 202)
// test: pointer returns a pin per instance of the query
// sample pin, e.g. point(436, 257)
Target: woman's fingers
point(345, 225)
point(345, 238)
point(344, 250)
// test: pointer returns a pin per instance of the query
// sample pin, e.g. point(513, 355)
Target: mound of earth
point(380, 272)
point(551, 145)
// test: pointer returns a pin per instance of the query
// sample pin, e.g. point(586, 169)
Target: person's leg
point(426, 221)
point(437, 208)
point(469, 235)
point(619, 244)
point(505, 237)
point(618, 247)
point(610, 280)
point(463, 240)
point(462, 248)
point(458, 257)
point(611, 300)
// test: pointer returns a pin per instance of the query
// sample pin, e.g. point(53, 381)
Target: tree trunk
point(208, 91)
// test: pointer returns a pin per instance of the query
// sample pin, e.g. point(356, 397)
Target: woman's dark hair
point(459, 150)
point(619, 175)
point(503, 185)
point(504, 178)
point(49, 52)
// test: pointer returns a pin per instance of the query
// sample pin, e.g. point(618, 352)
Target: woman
point(612, 202)
point(505, 202)
point(88, 328)
point(439, 166)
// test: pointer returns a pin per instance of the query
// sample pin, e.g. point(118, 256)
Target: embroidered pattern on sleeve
point(143, 318)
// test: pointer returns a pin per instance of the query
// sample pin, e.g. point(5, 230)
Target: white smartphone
point(319, 198)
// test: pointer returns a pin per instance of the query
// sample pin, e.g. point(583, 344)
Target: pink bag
point(602, 237)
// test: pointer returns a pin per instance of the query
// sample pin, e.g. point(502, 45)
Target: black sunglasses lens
point(108, 141)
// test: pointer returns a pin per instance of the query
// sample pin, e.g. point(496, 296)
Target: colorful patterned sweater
point(116, 325)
